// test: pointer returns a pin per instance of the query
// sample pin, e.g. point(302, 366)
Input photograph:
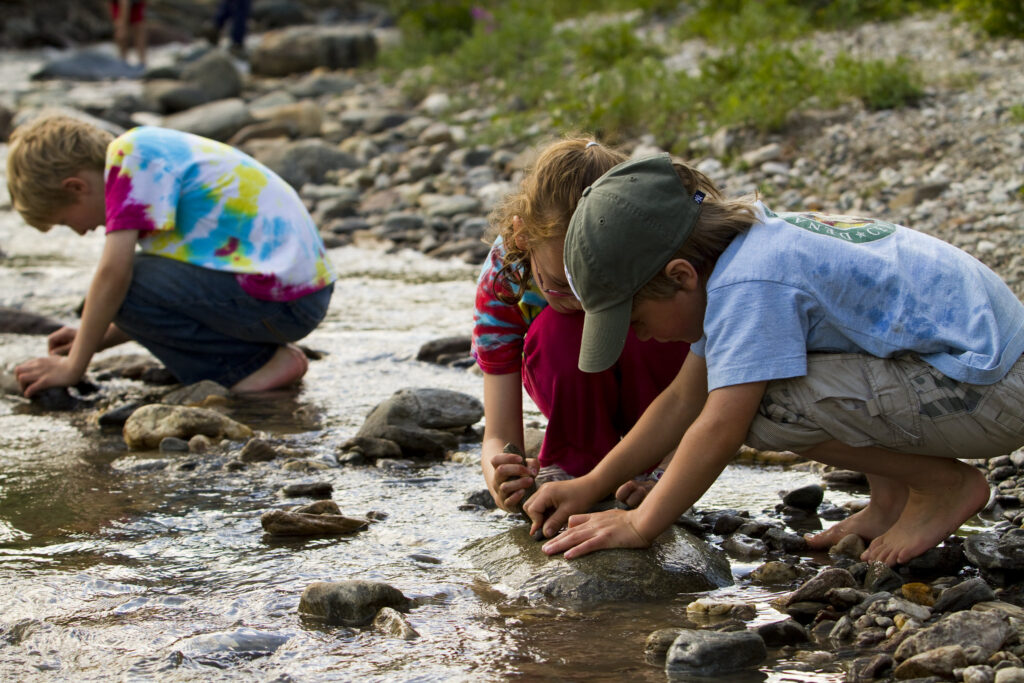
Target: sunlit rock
point(349, 603)
point(148, 425)
point(677, 562)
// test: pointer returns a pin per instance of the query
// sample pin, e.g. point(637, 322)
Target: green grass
point(539, 61)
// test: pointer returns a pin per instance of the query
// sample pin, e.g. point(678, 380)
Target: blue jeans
point(201, 324)
point(238, 12)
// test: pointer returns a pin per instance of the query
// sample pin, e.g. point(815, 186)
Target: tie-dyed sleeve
point(498, 328)
point(141, 194)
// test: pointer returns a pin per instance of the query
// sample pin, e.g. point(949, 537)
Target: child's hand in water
point(508, 478)
point(555, 501)
point(597, 531)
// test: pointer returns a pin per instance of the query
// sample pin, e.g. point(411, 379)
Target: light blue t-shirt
point(800, 283)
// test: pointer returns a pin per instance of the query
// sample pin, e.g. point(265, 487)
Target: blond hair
point(720, 221)
point(42, 154)
point(545, 203)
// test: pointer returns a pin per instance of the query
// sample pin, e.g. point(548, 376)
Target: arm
point(106, 293)
point(706, 448)
point(503, 411)
point(59, 342)
point(657, 432)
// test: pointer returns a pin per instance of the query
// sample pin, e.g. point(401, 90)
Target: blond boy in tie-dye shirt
point(211, 261)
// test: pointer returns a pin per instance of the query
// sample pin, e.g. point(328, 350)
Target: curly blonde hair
point(720, 221)
point(42, 154)
point(545, 202)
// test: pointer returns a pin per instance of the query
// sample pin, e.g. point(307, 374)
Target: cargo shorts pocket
point(864, 401)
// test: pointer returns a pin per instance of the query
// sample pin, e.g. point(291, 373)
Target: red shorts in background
point(136, 11)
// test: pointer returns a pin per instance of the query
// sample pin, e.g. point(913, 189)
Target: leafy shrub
point(997, 17)
point(877, 83)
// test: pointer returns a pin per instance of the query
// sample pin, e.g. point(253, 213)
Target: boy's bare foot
point(286, 366)
point(869, 523)
point(931, 514)
point(887, 500)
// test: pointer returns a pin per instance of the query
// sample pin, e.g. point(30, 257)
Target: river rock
point(677, 562)
point(817, 588)
point(300, 119)
point(257, 450)
point(55, 399)
point(805, 498)
point(301, 49)
point(713, 653)
point(964, 595)
point(14, 321)
point(349, 603)
point(417, 419)
point(372, 447)
point(286, 523)
point(246, 641)
point(170, 95)
point(195, 394)
point(151, 423)
point(87, 65)
point(987, 630)
point(316, 489)
point(1000, 557)
point(444, 350)
point(940, 661)
point(215, 75)
point(304, 161)
point(217, 120)
point(391, 622)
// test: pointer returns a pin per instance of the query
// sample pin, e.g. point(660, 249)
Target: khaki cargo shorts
point(900, 404)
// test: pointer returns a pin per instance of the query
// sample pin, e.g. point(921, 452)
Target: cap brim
point(604, 336)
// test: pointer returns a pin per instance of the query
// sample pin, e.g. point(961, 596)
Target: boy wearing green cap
point(855, 342)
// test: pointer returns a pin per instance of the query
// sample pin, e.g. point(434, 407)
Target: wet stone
point(257, 450)
point(657, 644)
point(148, 425)
point(118, 416)
point(172, 444)
point(349, 603)
point(320, 507)
point(316, 489)
point(712, 653)
point(850, 545)
point(940, 661)
point(55, 399)
point(286, 523)
point(805, 498)
point(482, 499)
point(784, 632)
point(964, 595)
point(195, 394)
point(676, 563)
point(391, 622)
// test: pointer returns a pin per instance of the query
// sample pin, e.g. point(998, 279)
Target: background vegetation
point(585, 65)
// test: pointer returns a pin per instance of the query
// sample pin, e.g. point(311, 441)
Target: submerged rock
point(242, 640)
point(349, 603)
point(148, 425)
point(677, 562)
point(285, 523)
point(392, 623)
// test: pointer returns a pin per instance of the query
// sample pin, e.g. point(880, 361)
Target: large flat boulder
point(677, 562)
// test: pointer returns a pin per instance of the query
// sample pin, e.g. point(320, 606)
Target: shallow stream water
point(113, 570)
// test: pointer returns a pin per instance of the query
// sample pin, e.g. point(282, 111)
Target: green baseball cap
point(626, 227)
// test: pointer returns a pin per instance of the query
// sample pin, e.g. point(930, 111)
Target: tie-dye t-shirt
point(499, 328)
point(208, 204)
